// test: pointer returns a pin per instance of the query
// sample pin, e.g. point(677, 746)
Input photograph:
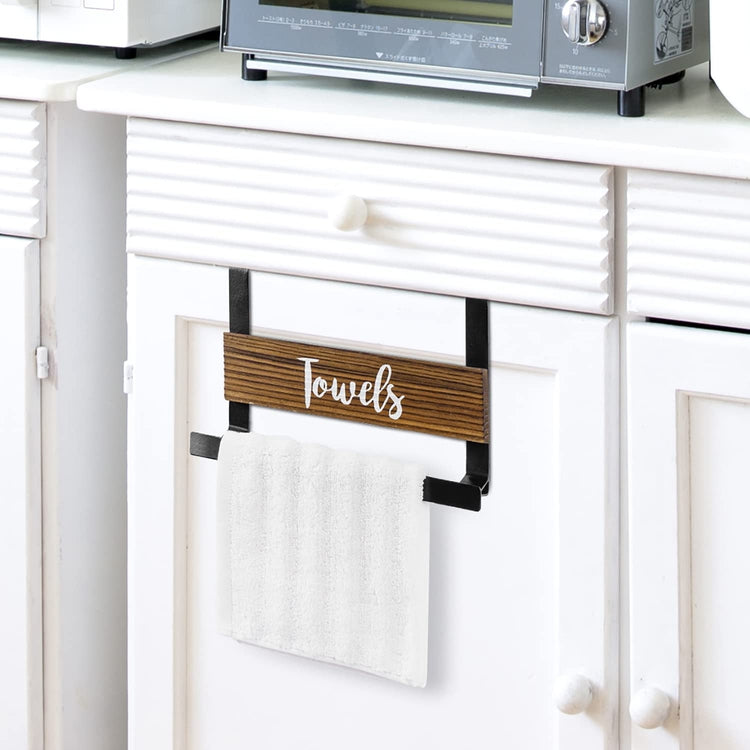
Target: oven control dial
point(584, 21)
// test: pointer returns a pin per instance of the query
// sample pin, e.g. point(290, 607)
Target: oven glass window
point(499, 12)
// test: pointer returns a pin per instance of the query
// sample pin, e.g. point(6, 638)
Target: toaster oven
point(505, 46)
point(121, 24)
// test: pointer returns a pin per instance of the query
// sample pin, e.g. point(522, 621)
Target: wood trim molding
point(377, 389)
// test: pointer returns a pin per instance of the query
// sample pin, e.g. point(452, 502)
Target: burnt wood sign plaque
point(378, 389)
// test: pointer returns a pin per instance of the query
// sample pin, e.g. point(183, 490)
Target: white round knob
point(347, 212)
point(650, 707)
point(573, 693)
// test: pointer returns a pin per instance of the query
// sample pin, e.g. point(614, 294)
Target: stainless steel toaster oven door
point(493, 40)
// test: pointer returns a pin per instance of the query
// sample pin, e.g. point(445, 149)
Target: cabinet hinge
point(127, 378)
point(42, 362)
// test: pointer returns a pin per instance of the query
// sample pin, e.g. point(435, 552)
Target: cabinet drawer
point(502, 228)
point(689, 248)
point(22, 168)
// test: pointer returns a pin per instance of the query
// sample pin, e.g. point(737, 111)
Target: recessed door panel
point(20, 498)
point(719, 480)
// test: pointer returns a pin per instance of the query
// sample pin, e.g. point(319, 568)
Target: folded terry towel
point(324, 554)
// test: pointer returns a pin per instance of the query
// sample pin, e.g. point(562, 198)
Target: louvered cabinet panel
point(22, 168)
point(689, 248)
point(502, 228)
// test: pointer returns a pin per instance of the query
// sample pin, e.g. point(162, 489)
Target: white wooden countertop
point(688, 127)
point(45, 72)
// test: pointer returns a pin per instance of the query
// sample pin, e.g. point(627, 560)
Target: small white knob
point(42, 362)
point(573, 693)
point(650, 707)
point(347, 212)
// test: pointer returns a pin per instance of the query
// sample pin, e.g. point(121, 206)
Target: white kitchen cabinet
point(62, 428)
point(521, 593)
point(689, 427)
point(552, 203)
point(63, 512)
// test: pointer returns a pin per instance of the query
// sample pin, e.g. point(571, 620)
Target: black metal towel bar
point(465, 494)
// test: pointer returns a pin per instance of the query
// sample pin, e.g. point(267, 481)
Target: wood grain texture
point(377, 389)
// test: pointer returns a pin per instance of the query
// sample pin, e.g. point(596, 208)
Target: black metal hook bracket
point(465, 494)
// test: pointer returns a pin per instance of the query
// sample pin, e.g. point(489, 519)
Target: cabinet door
point(520, 593)
point(689, 428)
point(20, 499)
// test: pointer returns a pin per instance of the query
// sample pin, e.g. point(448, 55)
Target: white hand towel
point(324, 554)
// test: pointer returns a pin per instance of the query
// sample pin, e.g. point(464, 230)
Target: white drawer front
point(501, 228)
point(22, 168)
point(689, 248)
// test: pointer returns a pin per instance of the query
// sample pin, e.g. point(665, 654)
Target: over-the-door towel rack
point(467, 493)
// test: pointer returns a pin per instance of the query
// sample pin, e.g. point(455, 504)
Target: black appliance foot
point(674, 78)
point(632, 103)
point(125, 53)
point(252, 74)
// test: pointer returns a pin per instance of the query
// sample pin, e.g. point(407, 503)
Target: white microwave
point(122, 24)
